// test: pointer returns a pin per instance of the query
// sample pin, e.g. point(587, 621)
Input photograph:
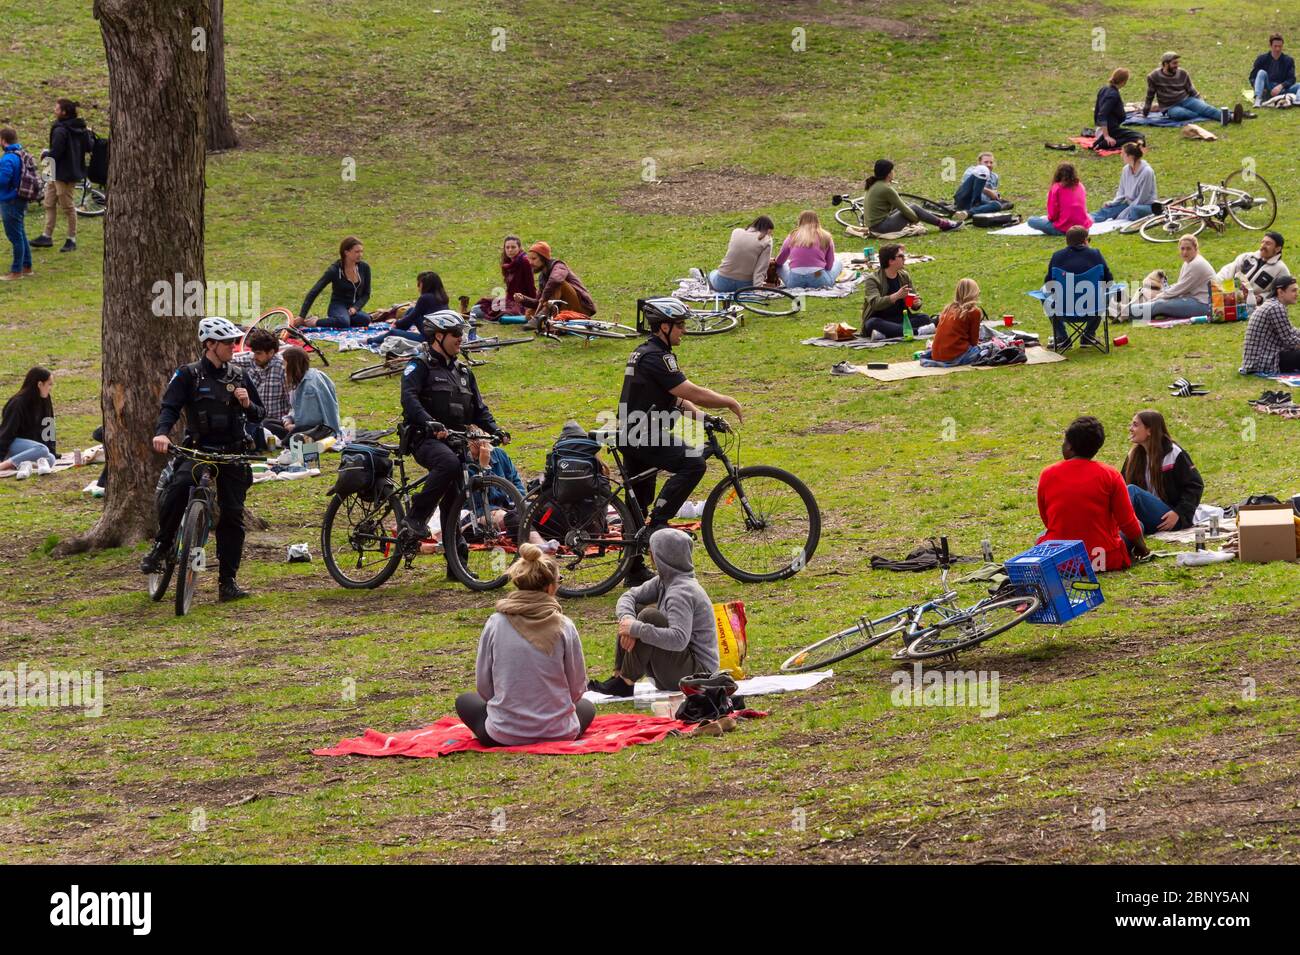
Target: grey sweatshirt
point(530, 695)
point(1139, 188)
point(747, 257)
point(680, 598)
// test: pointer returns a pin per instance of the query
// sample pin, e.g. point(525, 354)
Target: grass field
point(1137, 709)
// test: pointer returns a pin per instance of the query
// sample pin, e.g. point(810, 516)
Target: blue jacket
point(1281, 70)
point(502, 466)
point(315, 403)
point(11, 172)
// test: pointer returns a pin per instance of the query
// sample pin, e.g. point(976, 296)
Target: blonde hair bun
point(530, 552)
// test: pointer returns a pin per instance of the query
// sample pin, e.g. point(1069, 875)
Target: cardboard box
point(1266, 532)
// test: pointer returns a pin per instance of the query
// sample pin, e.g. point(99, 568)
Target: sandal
point(1063, 147)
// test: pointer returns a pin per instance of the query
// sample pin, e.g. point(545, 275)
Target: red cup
point(1119, 340)
point(1008, 320)
point(909, 300)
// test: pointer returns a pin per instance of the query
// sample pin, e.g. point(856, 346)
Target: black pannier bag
point(364, 470)
point(573, 473)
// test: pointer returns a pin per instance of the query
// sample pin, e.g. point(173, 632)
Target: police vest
point(448, 393)
point(214, 415)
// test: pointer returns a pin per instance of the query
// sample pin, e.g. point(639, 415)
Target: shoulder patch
point(670, 362)
point(409, 368)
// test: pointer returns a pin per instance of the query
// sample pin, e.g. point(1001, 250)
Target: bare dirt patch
point(707, 191)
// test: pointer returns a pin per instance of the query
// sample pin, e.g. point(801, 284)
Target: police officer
point(218, 401)
point(438, 393)
point(655, 394)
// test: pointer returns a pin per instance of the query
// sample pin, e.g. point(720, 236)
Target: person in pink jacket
point(1067, 203)
point(807, 258)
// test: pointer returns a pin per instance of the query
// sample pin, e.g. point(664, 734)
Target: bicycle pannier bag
point(572, 471)
point(364, 470)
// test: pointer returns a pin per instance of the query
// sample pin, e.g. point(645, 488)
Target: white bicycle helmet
point(667, 309)
point(443, 320)
point(219, 330)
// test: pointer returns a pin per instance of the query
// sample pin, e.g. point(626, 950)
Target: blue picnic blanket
point(1155, 119)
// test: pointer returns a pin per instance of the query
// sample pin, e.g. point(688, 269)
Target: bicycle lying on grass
point(188, 551)
point(759, 523)
point(1248, 201)
point(854, 213)
point(363, 538)
point(718, 312)
point(395, 365)
point(277, 321)
point(934, 628)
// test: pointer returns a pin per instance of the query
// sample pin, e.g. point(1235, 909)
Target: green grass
point(1136, 708)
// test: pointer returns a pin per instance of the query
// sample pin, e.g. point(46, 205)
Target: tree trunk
point(153, 232)
point(221, 131)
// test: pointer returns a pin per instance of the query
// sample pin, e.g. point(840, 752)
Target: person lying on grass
point(1083, 499)
point(1163, 483)
point(666, 627)
point(530, 673)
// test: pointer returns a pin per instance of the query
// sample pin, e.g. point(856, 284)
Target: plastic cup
point(909, 300)
point(1120, 340)
point(1008, 320)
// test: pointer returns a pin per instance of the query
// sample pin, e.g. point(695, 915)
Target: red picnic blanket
point(607, 734)
point(1087, 141)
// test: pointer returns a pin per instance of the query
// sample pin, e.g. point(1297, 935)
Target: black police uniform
point(214, 421)
point(437, 390)
point(647, 412)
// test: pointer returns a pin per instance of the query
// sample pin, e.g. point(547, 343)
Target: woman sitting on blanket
point(433, 298)
point(27, 426)
point(885, 301)
point(315, 409)
point(886, 210)
point(530, 672)
point(1067, 204)
point(748, 253)
point(1189, 297)
point(1108, 115)
point(349, 282)
point(957, 330)
point(1163, 483)
point(807, 258)
point(517, 273)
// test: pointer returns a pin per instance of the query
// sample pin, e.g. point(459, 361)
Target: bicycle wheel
point(159, 581)
point(385, 369)
point(194, 537)
point(944, 209)
point(780, 537)
point(851, 215)
point(1256, 207)
point(838, 646)
point(972, 627)
point(491, 344)
point(767, 301)
point(1172, 225)
point(711, 324)
point(478, 551)
point(359, 540)
point(595, 537)
point(593, 329)
point(89, 201)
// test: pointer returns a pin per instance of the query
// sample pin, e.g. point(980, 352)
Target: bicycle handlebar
point(214, 457)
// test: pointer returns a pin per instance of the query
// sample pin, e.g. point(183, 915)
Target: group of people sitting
point(299, 402)
point(807, 258)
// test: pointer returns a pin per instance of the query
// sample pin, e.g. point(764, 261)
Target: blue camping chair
point(1073, 301)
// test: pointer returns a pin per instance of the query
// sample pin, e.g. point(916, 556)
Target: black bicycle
point(188, 551)
point(854, 212)
point(364, 536)
point(759, 523)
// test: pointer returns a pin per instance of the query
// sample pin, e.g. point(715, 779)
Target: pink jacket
point(1068, 207)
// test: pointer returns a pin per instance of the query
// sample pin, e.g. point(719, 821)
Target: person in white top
point(747, 258)
point(1190, 295)
point(1257, 272)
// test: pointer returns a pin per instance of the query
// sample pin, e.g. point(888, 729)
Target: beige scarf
point(536, 615)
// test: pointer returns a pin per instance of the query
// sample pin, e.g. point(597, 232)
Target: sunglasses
point(456, 332)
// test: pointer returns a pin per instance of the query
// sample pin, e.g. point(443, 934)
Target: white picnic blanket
point(1024, 228)
point(647, 692)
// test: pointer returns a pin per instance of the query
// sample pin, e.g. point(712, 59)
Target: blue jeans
point(1262, 88)
point(24, 449)
point(15, 212)
point(970, 197)
point(1043, 225)
point(1170, 308)
point(720, 283)
point(808, 277)
point(1123, 210)
point(1193, 108)
point(1150, 510)
point(338, 317)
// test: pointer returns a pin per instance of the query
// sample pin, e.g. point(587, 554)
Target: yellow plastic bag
point(733, 644)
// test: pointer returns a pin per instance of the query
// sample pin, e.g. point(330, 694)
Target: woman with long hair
point(27, 426)
point(432, 298)
point(530, 673)
point(888, 212)
point(957, 329)
point(1067, 203)
point(1108, 115)
point(517, 274)
point(315, 412)
point(349, 282)
point(807, 258)
point(1163, 483)
point(749, 250)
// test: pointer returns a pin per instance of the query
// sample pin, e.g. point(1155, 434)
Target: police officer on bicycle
point(219, 402)
point(439, 392)
point(656, 393)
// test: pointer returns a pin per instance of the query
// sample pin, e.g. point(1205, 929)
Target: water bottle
point(907, 327)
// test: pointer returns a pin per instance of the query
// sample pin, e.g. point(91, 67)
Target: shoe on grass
point(230, 590)
point(614, 686)
point(69, 246)
point(10, 276)
point(42, 242)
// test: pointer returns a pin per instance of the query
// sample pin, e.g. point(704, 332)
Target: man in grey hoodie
point(673, 639)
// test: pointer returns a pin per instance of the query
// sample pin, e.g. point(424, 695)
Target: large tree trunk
point(221, 131)
point(153, 232)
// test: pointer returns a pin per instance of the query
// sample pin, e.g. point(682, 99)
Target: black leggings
point(472, 710)
point(897, 222)
point(1288, 360)
point(893, 329)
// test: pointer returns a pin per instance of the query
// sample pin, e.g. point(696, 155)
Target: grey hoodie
point(680, 598)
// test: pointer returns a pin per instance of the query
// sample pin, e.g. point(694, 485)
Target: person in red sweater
point(957, 329)
point(1083, 499)
point(517, 273)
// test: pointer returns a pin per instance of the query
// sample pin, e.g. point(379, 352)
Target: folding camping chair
point(1072, 301)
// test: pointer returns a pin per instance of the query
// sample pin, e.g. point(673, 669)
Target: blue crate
point(1056, 567)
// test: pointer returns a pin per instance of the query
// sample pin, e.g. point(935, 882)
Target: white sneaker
point(877, 336)
point(24, 471)
point(1258, 104)
point(93, 489)
point(925, 330)
point(43, 466)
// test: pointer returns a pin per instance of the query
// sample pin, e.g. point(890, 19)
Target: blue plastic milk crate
point(1063, 572)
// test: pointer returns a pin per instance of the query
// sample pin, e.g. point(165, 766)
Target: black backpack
point(364, 470)
point(994, 220)
point(572, 472)
point(97, 168)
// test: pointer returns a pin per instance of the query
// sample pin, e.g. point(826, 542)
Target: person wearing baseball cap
point(1171, 89)
point(555, 282)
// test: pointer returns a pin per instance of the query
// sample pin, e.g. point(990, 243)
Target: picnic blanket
point(851, 276)
point(647, 692)
point(902, 370)
point(1087, 141)
point(907, 232)
point(606, 734)
point(1024, 228)
point(1134, 117)
point(346, 338)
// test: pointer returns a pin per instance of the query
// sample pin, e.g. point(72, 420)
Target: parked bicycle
point(759, 523)
point(88, 198)
point(188, 551)
point(1248, 201)
point(854, 212)
point(363, 537)
point(395, 364)
point(934, 628)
